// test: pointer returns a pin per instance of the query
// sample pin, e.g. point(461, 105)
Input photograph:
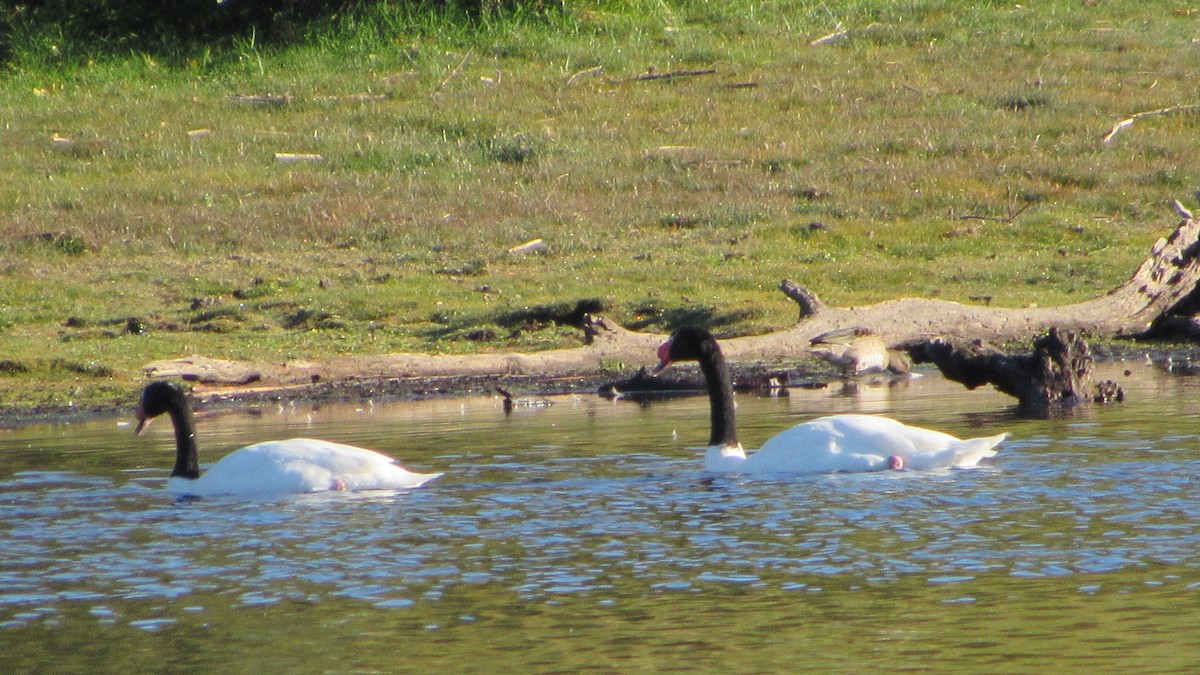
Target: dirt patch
point(749, 376)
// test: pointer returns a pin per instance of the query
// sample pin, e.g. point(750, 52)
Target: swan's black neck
point(720, 393)
point(187, 465)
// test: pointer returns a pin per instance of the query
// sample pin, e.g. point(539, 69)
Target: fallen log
point(1163, 285)
point(1162, 292)
point(1054, 378)
point(607, 346)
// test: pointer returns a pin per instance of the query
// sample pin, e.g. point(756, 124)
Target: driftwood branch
point(1165, 284)
point(1055, 377)
point(808, 301)
point(1128, 121)
point(1160, 296)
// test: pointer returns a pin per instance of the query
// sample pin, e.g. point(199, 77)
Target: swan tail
point(970, 451)
point(400, 479)
point(423, 478)
point(408, 479)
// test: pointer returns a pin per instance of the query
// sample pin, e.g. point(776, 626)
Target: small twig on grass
point(1128, 121)
point(454, 73)
point(1013, 212)
point(492, 81)
point(294, 157)
point(645, 77)
point(261, 99)
point(837, 34)
point(365, 97)
point(584, 73)
point(531, 246)
point(1012, 215)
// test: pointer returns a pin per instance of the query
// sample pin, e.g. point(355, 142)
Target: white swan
point(837, 443)
point(275, 467)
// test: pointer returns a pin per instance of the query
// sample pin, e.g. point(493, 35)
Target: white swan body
point(852, 444)
point(298, 465)
point(838, 443)
point(272, 468)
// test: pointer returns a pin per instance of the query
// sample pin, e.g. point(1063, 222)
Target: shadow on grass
point(670, 319)
point(481, 327)
point(527, 321)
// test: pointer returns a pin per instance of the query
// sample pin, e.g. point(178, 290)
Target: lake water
point(585, 535)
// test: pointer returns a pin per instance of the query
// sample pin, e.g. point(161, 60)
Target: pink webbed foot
point(895, 462)
point(338, 484)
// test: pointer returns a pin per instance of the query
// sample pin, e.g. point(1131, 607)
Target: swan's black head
point(686, 344)
point(697, 344)
point(157, 398)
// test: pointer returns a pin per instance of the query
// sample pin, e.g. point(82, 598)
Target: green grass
point(670, 200)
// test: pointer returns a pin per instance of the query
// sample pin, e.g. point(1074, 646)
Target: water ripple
point(544, 525)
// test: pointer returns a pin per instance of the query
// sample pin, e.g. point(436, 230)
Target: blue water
point(585, 534)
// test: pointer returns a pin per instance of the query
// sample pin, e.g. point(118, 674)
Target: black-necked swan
point(293, 466)
point(837, 443)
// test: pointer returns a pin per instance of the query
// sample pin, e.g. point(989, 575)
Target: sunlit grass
point(939, 149)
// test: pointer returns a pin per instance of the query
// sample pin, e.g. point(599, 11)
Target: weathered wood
point(1056, 376)
point(608, 345)
point(1161, 292)
point(1165, 284)
point(808, 301)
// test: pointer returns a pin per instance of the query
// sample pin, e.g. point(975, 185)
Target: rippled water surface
point(584, 534)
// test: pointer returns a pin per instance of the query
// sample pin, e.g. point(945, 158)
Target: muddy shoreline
point(685, 378)
point(1183, 360)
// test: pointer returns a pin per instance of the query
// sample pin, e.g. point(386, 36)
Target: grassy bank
point(935, 149)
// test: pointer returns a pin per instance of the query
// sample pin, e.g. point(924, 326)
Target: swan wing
point(301, 465)
point(857, 443)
